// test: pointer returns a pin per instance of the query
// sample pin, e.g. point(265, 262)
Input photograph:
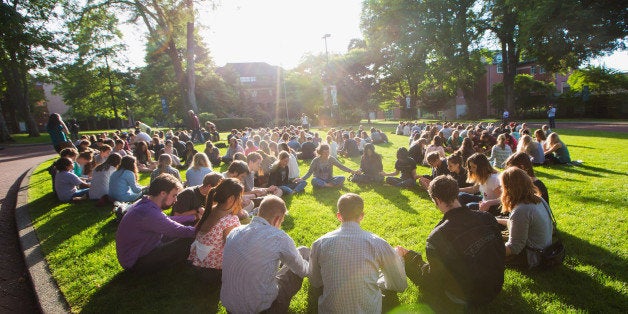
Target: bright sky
point(280, 32)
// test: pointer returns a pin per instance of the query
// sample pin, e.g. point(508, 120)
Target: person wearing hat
point(354, 266)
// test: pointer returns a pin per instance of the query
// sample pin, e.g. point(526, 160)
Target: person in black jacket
point(465, 254)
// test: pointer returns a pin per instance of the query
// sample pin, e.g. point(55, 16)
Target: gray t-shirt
point(530, 225)
point(66, 184)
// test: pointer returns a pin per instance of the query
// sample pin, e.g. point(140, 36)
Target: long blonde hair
point(517, 188)
point(200, 160)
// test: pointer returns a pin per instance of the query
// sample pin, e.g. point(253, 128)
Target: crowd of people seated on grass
point(464, 181)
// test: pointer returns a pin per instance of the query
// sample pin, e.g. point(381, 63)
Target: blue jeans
point(398, 182)
point(294, 187)
point(80, 192)
point(470, 200)
point(473, 202)
point(320, 183)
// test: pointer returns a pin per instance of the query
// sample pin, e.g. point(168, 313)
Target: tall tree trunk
point(191, 45)
point(510, 68)
point(5, 135)
point(178, 72)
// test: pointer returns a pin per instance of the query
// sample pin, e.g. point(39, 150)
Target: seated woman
point(500, 152)
point(144, 157)
point(279, 176)
point(457, 171)
point(123, 183)
point(486, 182)
point(197, 171)
point(212, 230)
point(170, 150)
point(190, 152)
point(529, 224)
point(532, 148)
point(322, 167)
point(164, 165)
point(435, 146)
point(371, 168)
point(100, 177)
point(466, 150)
point(213, 153)
point(294, 165)
point(522, 161)
point(454, 142)
point(233, 148)
point(556, 151)
point(68, 185)
point(404, 165)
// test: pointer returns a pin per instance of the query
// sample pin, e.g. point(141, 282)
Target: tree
point(25, 43)
point(395, 33)
point(561, 34)
point(528, 93)
point(599, 80)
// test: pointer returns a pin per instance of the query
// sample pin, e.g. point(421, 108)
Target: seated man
point(350, 147)
point(254, 161)
point(252, 280)
point(465, 252)
point(439, 168)
point(347, 263)
point(191, 199)
point(139, 244)
point(308, 149)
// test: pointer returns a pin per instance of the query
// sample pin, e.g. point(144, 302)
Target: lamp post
point(326, 52)
point(331, 108)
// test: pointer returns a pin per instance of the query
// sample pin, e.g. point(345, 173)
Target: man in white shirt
point(252, 280)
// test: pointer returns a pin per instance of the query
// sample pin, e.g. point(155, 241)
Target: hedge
point(228, 124)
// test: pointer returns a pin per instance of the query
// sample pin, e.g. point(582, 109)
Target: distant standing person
point(58, 131)
point(551, 115)
point(74, 130)
point(305, 121)
point(195, 126)
point(505, 116)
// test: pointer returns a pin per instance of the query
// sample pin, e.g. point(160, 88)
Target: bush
point(227, 124)
point(206, 116)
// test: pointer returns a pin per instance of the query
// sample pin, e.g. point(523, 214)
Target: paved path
point(598, 126)
point(16, 292)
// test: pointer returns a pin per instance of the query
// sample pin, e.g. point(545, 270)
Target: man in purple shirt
point(147, 239)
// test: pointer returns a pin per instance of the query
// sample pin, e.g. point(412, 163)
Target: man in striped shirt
point(353, 266)
point(252, 281)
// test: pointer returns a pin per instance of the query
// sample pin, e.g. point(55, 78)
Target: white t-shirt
point(488, 188)
point(304, 120)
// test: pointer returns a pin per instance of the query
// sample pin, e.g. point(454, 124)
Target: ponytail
point(209, 202)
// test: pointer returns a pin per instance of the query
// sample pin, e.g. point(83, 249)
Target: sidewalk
point(16, 291)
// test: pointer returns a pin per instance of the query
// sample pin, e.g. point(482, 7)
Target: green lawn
point(589, 202)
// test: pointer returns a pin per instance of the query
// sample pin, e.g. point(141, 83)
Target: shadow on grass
point(545, 175)
point(578, 289)
point(176, 290)
point(105, 235)
point(394, 195)
point(66, 220)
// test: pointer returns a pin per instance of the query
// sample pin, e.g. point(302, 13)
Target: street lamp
point(326, 52)
point(331, 108)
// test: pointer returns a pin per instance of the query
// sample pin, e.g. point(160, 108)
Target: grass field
point(589, 202)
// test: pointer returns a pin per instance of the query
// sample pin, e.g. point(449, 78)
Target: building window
point(500, 68)
point(247, 79)
point(532, 70)
point(541, 70)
